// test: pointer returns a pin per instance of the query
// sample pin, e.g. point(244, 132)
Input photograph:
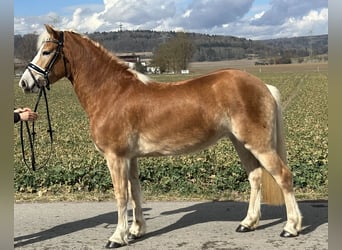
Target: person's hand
point(20, 110)
point(26, 114)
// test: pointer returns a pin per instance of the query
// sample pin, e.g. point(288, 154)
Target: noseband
point(31, 132)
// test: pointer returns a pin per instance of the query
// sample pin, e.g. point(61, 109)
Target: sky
point(251, 19)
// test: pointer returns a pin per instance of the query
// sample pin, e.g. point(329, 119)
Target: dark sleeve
point(16, 117)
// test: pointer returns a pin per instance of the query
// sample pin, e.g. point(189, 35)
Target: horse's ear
point(51, 31)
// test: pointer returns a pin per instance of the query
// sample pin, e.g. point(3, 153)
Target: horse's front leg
point(138, 227)
point(118, 168)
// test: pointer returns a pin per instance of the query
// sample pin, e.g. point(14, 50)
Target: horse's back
point(185, 116)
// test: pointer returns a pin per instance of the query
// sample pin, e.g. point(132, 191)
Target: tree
point(25, 46)
point(175, 54)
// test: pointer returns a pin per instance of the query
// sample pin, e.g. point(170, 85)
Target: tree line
point(174, 50)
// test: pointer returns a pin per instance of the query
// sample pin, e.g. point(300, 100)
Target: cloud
point(159, 14)
point(32, 24)
point(204, 14)
point(258, 15)
point(243, 18)
point(131, 13)
point(138, 12)
point(282, 10)
point(314, 23)
point(84, 20)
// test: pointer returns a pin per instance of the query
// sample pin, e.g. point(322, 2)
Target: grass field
point(77, 171)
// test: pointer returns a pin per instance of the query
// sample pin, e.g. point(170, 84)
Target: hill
point(207, 47)
point(215, 47)
point(301, 46)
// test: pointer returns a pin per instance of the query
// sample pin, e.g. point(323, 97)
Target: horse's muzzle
point(25, 86)
point(30, 89)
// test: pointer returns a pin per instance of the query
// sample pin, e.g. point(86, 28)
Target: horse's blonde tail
point(271, 191)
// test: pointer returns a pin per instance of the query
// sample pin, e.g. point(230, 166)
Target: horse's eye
point(46, 53)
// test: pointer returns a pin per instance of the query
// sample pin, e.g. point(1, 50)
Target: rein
point(32, 134)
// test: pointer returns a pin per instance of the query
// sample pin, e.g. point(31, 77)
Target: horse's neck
point(92, 70)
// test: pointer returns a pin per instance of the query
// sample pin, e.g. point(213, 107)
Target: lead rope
point(32, 134)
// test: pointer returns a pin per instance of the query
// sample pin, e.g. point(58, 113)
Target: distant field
point(76, 167)
point(248, 65)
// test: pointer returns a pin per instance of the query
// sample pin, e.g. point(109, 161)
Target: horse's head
point(49, 65)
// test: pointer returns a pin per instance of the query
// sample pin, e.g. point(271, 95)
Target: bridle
point(31, 132)
point(45, 72)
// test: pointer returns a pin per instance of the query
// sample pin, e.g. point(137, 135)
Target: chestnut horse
point(132, 116)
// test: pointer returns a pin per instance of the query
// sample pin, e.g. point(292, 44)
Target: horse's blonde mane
point(141, 77)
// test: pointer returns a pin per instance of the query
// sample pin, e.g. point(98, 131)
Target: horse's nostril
point(23, 83)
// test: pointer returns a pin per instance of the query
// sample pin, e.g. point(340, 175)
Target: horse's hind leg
point(138, 227)
point(252, 166)
point(271, 161)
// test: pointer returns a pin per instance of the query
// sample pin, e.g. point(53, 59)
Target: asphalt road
point(170, 225)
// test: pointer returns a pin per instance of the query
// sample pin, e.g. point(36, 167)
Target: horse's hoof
point(112, 244)
point(243, 229)
point(133, 237)
point(286, 234)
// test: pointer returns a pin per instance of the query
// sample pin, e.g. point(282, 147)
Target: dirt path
point(171, 225)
